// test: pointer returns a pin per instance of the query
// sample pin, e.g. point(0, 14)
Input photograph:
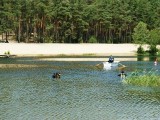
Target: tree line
point(77, 21)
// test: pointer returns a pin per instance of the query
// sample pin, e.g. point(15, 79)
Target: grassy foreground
point(153, 81)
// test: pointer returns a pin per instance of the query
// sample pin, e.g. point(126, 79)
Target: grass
point(146, 79)
point(152, 81)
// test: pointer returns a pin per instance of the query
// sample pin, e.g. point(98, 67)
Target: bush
point(92, 40)
point(48, 40)
point(153, 50)
point(80, 40)
point(7, 54)
point(140, 50)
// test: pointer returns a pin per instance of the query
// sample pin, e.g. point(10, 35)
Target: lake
point(28, 92)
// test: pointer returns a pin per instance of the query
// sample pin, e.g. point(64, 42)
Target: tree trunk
point(6, 36)
point(2, 36)
point(27, 32)
point(19, 30)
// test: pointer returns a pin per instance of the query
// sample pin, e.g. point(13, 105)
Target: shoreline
point(64, 49)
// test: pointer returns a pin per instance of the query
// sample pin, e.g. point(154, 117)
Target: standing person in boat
point(111, 59)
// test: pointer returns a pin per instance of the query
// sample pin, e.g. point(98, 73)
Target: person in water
point(111, 59)
point(56, 75)
point(122, 75)
point(156, 61)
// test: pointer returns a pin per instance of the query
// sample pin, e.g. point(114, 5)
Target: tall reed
point(150, 78)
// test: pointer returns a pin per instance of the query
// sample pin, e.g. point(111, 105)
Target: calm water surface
point(27, 92)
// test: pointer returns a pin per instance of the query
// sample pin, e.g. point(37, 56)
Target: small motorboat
point(107, 65)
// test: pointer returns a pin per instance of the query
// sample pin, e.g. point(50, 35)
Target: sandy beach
point(61, 51)
point(48, 49)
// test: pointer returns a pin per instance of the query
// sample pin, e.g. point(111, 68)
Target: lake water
point(27, 91)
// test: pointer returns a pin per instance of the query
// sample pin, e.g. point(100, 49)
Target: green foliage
point(70, 20)
point(154, 37)
point(153, 49)
point(144, 80)
point(7, 53)
point(92, 40)
point(80, 40)
point(140, 50)
point(48, 39)
point(141, 33)
point(142, 36)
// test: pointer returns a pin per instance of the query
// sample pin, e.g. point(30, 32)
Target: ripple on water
point(83, 93)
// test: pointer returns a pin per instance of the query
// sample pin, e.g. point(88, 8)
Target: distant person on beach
point(111, 59)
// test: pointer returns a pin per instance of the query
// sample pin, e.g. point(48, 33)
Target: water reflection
point(146, 58)
point(83, 92)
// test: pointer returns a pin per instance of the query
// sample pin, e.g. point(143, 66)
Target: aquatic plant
point(143, 78)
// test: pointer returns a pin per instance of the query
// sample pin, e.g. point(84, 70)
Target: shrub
point(153, 50)
point(7, 54)
point(140, 50)
point(92, 40)
point(80, 40)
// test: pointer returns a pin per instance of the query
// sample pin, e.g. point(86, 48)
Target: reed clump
point(150, 79)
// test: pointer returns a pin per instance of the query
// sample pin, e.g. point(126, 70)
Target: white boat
point(107, 65)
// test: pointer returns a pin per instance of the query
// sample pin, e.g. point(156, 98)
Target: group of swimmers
point(57, 75)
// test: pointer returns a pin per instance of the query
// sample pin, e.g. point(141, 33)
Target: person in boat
point(56, 75)
point(111, 59)
point(122, 75)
